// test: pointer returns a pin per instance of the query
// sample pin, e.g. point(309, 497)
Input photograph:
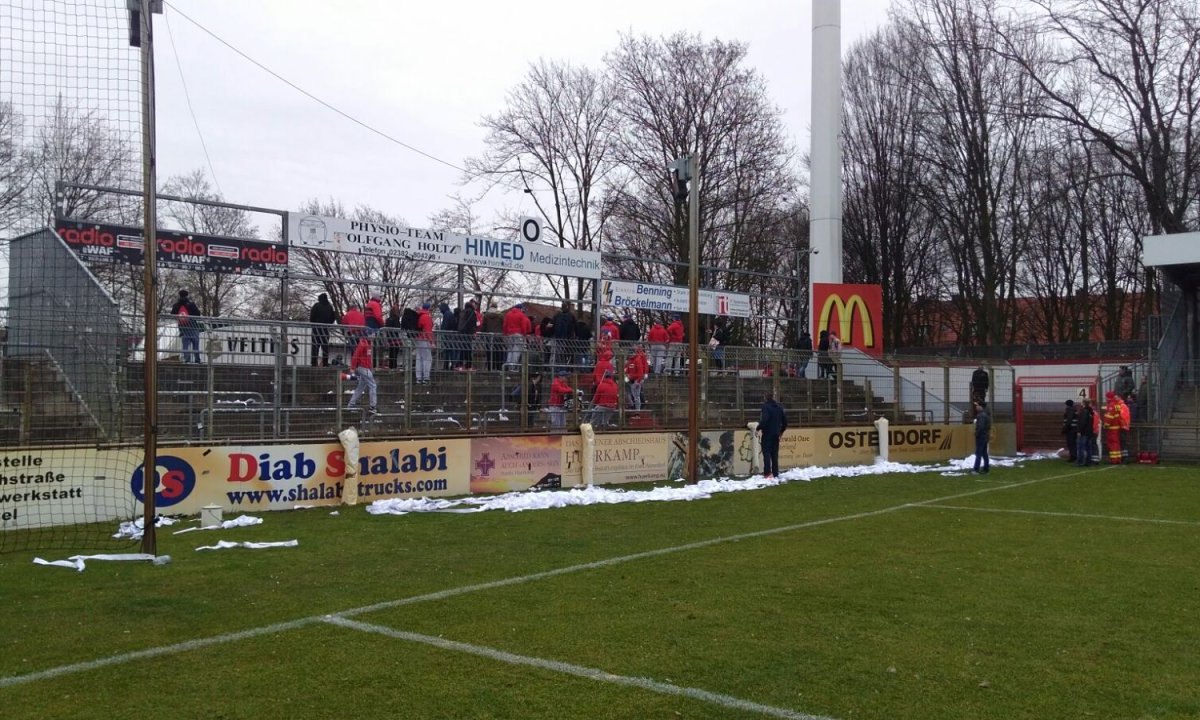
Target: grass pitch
point(1046, 591)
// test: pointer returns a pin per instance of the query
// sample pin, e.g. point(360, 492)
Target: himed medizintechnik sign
point(318, 232)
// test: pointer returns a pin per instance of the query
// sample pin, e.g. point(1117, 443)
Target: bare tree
point(554, 141)
point(1127, 73)
point(682, 94)
point(974, 148)
point(14, 172)
point(885, 226)
point(80, 148)
point(485, 283)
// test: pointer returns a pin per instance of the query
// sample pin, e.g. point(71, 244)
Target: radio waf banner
point(175, 249)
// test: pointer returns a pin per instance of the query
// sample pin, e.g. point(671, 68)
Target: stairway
point(38, 407)
point(1181, 432)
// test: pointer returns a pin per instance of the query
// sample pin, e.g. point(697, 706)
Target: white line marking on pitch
point(642, 683)
point(1060, 514)
point(466, 589)
point(155, 652)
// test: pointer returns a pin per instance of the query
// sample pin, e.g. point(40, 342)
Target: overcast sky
point(424, 73)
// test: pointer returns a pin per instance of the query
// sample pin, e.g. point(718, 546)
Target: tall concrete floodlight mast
point(825, 148)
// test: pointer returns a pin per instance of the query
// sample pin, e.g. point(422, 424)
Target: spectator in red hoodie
point(424, 345)
point(516, 327)
point(604, 401)
point(636, 370)
point(603, 365)
point(362, 364)
point(675, 350)
point(560, 390)
point(658, 338)
point(373, 315)
point(354, 324)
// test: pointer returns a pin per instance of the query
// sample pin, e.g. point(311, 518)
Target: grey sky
point(423, 73)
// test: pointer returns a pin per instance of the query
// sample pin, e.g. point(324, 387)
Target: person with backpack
point(189, 326)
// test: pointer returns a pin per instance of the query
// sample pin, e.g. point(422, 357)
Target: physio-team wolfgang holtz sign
point(525, 254)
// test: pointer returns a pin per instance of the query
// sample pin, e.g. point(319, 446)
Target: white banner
point(672, 298)
point(367, 238)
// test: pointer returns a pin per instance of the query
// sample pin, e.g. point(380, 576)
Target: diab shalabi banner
point(282, 477)
point(853, 312)
point(672, 298)
point(525, 254)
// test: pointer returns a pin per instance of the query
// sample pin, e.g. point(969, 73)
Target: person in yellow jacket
point(1112, 428)
point(1125, 422)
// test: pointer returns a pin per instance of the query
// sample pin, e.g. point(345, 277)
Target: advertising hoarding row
point(45, 487)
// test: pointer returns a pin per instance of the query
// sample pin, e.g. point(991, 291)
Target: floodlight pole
point(141, 13)
point(693, 447)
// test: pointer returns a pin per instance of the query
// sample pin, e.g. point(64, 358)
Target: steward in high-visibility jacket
point(1125, 423)
point(1112, 428)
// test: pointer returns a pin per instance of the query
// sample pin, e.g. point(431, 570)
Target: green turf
point(901, 612)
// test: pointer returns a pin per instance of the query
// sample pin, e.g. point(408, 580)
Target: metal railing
point(255, 380)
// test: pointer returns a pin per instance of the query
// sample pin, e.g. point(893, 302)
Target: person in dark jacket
point(772, 422)
point(979, 384)
point(446, 341)
point(1070, 430)
point(824, 367)
point(583, 341)
point(804, 353)
point(322, 313)
point(189, 326)
point(563, 336)
point(983, 432)
point(394, 331)
point(1089, 425)
point(468, 326)
point(629, 332)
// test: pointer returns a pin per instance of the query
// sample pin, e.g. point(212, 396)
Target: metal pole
point(693, 456)
point(149, 280)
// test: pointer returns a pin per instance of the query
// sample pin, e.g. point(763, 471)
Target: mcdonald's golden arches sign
point(853, 312)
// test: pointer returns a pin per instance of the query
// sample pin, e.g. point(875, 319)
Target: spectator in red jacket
point(610, 328)
point(354, 324)
point(560, 390)
point(675, 350)
point(658, 338)
point(424, 345)
point(636, 370)
point(604, 401)
point(373, 315)
point(516, 327)
point(603, 365)
point(362, 364)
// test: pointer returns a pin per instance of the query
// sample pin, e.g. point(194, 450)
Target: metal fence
point(254, 380)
